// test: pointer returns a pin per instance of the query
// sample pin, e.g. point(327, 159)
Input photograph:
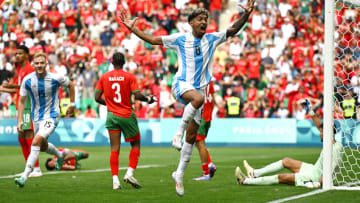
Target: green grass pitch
point(86, 185)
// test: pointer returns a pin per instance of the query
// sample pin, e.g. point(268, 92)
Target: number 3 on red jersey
point(116, 86)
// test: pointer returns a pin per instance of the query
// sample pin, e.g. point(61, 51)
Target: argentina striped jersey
point(195, 56)
point(44, 94)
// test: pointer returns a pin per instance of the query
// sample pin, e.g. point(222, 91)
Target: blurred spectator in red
point(291, 90)
point(254, 68)
point(55, 18)
point(215, 10)
point(70, 16)
point(90, 113)
point(250, 109)
point(212, 26)
point(251, 92)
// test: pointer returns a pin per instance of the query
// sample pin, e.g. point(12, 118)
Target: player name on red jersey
point(116, 78)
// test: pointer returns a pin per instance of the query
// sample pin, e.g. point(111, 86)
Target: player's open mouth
point(203, 28)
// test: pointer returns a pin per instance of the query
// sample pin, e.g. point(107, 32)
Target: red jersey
point(22, 72)
point(208, 102)
point(117, 86)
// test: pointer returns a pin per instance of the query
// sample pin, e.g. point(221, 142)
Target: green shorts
point(128, 126)
point(204, 127)
point(307, 173)
point(27, 118)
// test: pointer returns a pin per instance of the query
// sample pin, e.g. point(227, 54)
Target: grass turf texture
point(158, 186)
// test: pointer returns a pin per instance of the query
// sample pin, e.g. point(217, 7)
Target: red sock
point(134, 158)
point(209, 159)
point(114, 162)
point(29, 143)
point(205, 168)
point(24, 147)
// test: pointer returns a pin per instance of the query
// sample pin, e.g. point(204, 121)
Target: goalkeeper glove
point(308, 107)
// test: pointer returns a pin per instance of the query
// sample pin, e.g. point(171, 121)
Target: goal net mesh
point(347, 89)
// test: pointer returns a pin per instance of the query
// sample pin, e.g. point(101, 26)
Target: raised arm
point(248, 8)
point(130, 24)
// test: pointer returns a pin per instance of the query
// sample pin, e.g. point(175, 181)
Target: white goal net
point(345, 93)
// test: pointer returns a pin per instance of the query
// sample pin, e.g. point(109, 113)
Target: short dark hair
point(23, 47)
point(118, 59)
point(47, 164)
point(196, 12)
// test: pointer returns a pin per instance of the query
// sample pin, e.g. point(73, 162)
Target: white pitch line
point(83, 171)
point(298, 196)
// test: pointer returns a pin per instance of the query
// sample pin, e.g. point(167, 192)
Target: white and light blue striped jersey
point(195, 56)
point(44, 94)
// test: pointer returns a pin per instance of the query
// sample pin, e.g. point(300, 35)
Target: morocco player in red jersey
point(117, 87)
point(207, 165)
point(23, 68)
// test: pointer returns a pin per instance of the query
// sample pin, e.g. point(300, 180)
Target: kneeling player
point(71, 159)
point(207, 165)
point(303, 174)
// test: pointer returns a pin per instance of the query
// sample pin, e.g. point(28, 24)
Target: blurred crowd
point(263, 72)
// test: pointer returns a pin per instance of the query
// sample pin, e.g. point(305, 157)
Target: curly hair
point(196, 12)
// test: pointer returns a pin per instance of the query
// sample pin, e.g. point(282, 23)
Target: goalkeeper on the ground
point(302, 174)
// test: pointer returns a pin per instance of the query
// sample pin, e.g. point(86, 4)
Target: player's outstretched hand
point(70, 112)
point(307, 105)
point(126, 20)
point(249, 6)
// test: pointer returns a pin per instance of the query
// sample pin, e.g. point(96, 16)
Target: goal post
point(328, 93)
point(341, 84)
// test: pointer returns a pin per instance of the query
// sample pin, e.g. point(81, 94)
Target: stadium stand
point(270, 66)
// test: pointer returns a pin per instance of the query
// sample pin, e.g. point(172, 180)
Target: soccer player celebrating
point(23, 68)
point(117, 87)
point(195, 52)
point(43, 88)
point(71, 159)
point(208, 167)
point(303, 174)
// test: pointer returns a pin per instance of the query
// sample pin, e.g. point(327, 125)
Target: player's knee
point(286, 161)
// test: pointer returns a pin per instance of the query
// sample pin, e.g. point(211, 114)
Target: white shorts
point(179, 88)
point(45, 127)
point(307, 173)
